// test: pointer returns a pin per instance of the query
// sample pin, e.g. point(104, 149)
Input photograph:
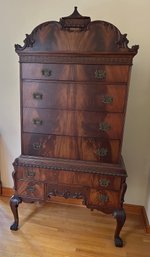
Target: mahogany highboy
point(74, 77)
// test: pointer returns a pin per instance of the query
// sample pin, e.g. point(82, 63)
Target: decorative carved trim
point(28, 42)
point(129, 208)
point(120, 60)
point(14, 179)
point(75, 21)
point(59, 164)
point(123, 190)
point(123, 43)
point(66, 194)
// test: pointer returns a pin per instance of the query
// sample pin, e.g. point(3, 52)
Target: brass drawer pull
point(30, 173)
point(37, 121)
point(106, 99)
point(37, 96)
point(46, 72)
point(31, 189)
point(36, 146)
point(104, 126)
point(100, 74)
point(102, 152)
point(104, 182)
point(103, 198)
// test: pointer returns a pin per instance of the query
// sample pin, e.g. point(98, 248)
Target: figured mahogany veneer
point(74, 80)
point(74, 96)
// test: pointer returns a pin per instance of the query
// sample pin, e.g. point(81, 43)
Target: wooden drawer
point(106, 182)
point(30, 189)
point(73, 123)
point(47, 71)
point(68, 177)
point(74, 96)
point(100, 73)
point(29, 173)
point(89, 180)
point(105, 199)
point(77, 148)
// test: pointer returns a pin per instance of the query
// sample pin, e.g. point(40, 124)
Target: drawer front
point(109, 98)
point(73, 123)
point(29, 173)
point(100, 73)
point(89, 180)
point(108, 199)
point(106, 182)
point(77, 148)
point(27, 189)
point(47, 71)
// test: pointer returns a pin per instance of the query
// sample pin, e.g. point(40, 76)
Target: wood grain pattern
point(70, 72)
point(73, 123)
point(74, 77)
point(77, 148)
point(67, 230)
point(74, 96)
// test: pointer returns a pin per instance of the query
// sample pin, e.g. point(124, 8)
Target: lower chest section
point(98, 191)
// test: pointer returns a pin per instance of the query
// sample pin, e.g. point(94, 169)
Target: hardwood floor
point(60, 230)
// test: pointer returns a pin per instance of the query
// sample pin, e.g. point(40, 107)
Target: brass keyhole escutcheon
point(102, 152)
point(106, 99)
point(104, 182)
point(46, 72)
point(104, 126)
point(100, 74)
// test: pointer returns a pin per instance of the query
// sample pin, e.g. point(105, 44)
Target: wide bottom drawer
point(77, 148)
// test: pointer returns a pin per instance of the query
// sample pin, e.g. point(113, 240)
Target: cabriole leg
point(120, 217)
point(14, 202)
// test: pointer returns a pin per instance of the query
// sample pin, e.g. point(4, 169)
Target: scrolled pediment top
point(93, 36)
point(123, 43)
point(28, 42)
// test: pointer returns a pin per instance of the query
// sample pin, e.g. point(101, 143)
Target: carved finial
point(75, 21)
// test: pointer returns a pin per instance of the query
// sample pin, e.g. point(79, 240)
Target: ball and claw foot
point(118, 241)
point(120, 217)
point(14, 203)
point(14, 226)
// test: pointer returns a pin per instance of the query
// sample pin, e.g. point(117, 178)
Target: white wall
point(131, 17)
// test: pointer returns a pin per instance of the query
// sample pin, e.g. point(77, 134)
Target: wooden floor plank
point(63, 230)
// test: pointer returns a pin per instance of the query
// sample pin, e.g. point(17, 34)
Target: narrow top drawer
point(75, 72)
